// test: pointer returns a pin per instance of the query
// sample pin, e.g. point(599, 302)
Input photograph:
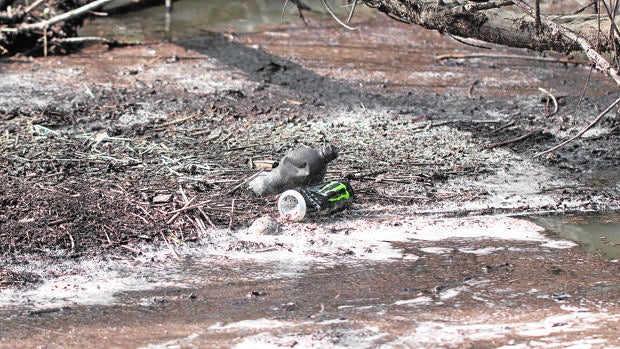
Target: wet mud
point(125, 220)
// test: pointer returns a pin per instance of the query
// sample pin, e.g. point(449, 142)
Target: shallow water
point(595, 233)
point(193, 18)
point(438, 287)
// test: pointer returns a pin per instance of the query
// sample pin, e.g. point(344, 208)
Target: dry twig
point(514, 140)
point(232, 214)
point(501, 56)
point(331, 12)
point(174, 253)
point(552, 97)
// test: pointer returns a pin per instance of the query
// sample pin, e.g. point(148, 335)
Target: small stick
point(183, 194)
point(503, 127)
point(107, 237)
point(201, 225)
point(352, 11)
point(331, 12)
point(537, 16)
point(584, 130)
point(33, 6)
point(244, 182)
point(178, 212)
point(206, 217)
point(514, 140)
point(232, 213)
point(555, 101)
point(199, 204)
point(174, 253)
point(81, 39)
point(134, 250)
point(142, 218)
point(58, 221)
point(179, 120)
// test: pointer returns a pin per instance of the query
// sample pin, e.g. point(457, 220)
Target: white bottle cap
point(292, 205)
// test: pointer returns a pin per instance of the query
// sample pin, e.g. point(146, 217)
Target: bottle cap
point(292, 205)
point(329, 152)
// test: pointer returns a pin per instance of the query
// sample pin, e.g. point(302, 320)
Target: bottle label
point(328, 197)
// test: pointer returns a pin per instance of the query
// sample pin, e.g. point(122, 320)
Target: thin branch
point(555, 101)
point(481, 6)
point(537, 16)
point(331, 12)
point(584, 130)
point(456, 38)
point(352, 11)
point(502, 56)
point(63, 17)
point(243, 182)
point(599, 61)
point(33, 6)
point(232, 214)
point(174, 253)
point(585, 88)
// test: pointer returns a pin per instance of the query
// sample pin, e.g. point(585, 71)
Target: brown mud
point(105, 154)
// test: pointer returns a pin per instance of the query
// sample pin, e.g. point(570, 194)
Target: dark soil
point(92, 142)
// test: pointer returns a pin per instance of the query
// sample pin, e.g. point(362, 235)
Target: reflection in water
point(596, 233)
point(192, 18)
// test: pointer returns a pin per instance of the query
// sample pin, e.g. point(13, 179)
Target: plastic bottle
point(324, 198)
point(299, 168)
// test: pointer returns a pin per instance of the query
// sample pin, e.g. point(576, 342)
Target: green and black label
point(328, 197)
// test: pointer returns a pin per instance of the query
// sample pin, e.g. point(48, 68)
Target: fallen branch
point(516, 57)
point(596, 58)
point(584, 130)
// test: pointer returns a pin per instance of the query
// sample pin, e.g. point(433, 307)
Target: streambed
point(437, 250)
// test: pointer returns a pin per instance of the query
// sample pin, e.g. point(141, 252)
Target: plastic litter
point(322, 199)
point(299, 168)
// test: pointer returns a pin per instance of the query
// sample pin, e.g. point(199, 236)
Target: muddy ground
point(106, 154)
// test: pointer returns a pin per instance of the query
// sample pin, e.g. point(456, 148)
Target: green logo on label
point(333, 188)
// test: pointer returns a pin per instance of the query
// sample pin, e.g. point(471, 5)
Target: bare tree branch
point(595, 57)
point(63, 17)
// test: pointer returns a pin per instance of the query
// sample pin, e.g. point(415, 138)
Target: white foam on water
point(256, 324)
point(559, 244)
point(494, 227)
point(301, 246)
point(436, 250)
point(453, 333)
point(482, 251)
point(415, 301)
point(452, 292)
point(184, 342)
point(344, 338)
